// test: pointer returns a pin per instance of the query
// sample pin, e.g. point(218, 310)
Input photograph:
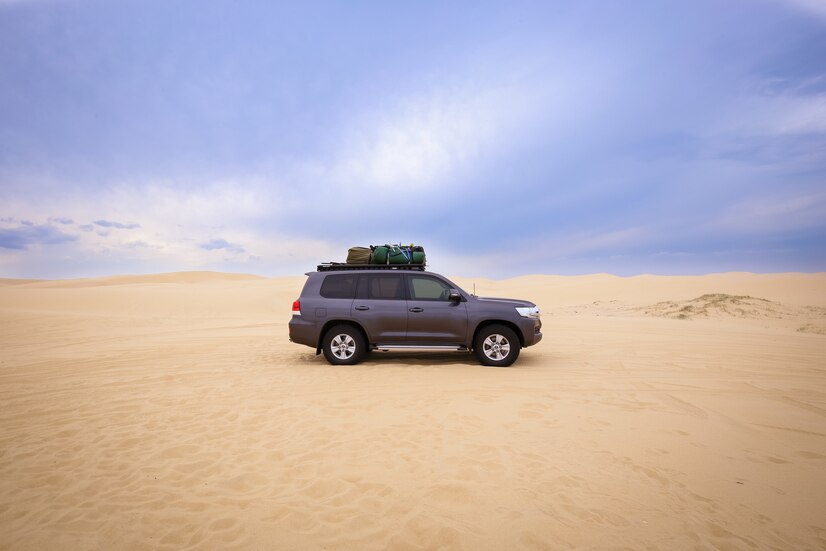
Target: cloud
point(554, 132)
point(813, 7)
point(118, 225)
point(32, 234)
point(422, 139)
point(418, 144)
point(787, 113)
point(553, 249)
point(222, 244)
point(775, 213)
point(236, 222)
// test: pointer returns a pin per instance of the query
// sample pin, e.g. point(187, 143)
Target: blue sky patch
point(510, 138)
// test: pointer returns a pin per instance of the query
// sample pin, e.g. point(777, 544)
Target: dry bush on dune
point(721, 305)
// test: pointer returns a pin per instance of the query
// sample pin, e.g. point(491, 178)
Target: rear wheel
point(496, 345)
point(343, 345)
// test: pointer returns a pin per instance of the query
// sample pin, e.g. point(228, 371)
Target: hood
point(506, 301)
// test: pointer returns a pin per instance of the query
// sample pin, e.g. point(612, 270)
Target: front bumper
point(531, 331)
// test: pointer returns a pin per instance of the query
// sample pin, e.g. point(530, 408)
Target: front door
point(431, 317)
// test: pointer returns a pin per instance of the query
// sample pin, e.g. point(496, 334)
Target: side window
point(381, 286)
point(339, 286)
point(428, 288)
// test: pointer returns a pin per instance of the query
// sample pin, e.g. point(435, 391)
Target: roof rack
point(339, 266)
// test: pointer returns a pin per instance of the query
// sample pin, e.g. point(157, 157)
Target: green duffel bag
point(407, 254)
point(399, 255)
point(417, 255)
point(358, 255)
point(380, 254)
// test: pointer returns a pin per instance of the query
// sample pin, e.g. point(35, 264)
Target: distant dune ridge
point(172, 277)
point(170, 411)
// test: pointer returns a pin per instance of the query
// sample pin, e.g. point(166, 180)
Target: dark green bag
point(417, 255)
point(380, 254)
point(407, 254)
point(399, 255)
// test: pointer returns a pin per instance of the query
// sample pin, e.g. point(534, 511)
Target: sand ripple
point(174, 415)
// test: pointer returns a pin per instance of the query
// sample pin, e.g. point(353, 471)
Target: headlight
point(528, 311)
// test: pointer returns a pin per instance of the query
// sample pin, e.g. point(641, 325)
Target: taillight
point(296, 307)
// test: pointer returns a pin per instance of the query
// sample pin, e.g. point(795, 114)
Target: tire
point(343, 345)
point(496, 345)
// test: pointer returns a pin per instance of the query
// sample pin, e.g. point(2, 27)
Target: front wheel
point(496, 345)
point(343, 345)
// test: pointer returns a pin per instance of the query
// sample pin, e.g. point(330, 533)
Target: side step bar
point(434, 347)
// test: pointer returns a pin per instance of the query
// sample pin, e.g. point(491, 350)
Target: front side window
point(428, 288)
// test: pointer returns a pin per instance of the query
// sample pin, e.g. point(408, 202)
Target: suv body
point(347, 313)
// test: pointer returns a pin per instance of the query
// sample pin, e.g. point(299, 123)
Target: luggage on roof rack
point(396, 255)
point(359, 255)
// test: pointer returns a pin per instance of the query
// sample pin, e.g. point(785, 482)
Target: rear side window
point(339, 286)
point(381, 286)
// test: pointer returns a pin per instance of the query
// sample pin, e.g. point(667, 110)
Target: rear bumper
point(303, 332)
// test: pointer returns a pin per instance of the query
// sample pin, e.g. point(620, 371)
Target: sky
point(507, 138)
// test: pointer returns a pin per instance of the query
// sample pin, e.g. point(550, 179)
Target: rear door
point(431, 317)
point(381, 308)
point(337, 293)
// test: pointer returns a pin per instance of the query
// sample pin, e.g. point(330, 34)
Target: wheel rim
point(343, 346)
point(496, 347)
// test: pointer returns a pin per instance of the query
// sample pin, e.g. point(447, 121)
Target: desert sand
point(171, 412)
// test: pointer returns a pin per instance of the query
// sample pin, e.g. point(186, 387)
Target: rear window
point(339, 286)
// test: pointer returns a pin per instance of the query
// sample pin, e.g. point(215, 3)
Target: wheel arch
point(509, 324)
point(330, 323)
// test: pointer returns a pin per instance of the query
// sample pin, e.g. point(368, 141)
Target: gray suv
point(346, 312)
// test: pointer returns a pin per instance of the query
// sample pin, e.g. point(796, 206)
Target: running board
point(435, 347)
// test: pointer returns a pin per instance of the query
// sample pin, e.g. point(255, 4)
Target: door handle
point(362, 308)
point(417, 309)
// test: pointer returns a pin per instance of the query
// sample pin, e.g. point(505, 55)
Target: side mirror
point(454, 296)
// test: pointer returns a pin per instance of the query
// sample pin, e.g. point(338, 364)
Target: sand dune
point(721, 305)
point(726, 306)
point(17, 281)
point(172, 277)
point(170, 411)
